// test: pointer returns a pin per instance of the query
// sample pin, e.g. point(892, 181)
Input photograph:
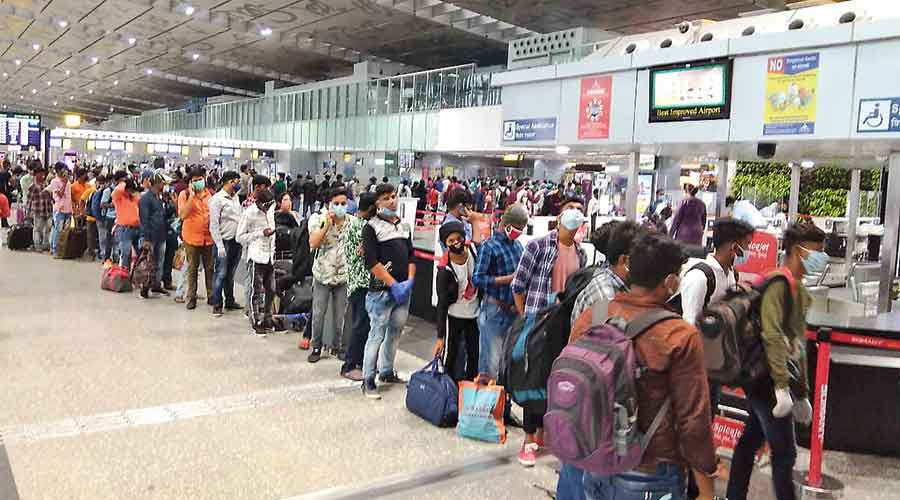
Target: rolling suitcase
point(19, 237)
point(72, 242)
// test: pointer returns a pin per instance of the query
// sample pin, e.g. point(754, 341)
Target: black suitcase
point(72, 243)
point(20, 237)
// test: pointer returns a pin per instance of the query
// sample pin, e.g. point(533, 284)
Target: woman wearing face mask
point(776, 401)
point(458, 302)
point(329, 274)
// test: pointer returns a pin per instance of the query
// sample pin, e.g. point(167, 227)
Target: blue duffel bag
point(433, 395)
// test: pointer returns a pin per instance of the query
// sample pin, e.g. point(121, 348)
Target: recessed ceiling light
point(18, 62)
point(71, 98)
point(36, 46)
point(266, 31)
point(34, 91)
point(62, 23)
point(115, 82)
point(95, 60)
point(132, 40)
point(21, 97)
point(5, 74)
point(91, 91)
point(149, 71)
point(111, 109)
point(55, 103)
point(189, 10)
point(68, 72)
point(49, 83)
point(195, 56)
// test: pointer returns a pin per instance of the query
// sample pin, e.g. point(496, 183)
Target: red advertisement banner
point(594, 107)
point(763, 254)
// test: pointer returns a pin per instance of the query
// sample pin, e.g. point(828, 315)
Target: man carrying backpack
point(778, 399)
point(671, 353)
point(541, 274)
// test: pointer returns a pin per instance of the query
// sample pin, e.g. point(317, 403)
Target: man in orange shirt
point(125, 198)
point(198, 242)
point(78, 188)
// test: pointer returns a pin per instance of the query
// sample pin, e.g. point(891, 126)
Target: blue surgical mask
point(387, 212)
point(572, 219)
point(339, 211)
point(815, 261)
point(199, 185)
point(740, 260)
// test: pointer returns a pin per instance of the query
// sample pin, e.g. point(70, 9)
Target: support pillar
point(891, 232)
point(852, 214)
point(723, 169)
point(794, 200)
point(631, 192)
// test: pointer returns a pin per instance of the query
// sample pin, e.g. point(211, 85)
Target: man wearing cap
point(224, 215)
point(154, 227)
point(494, 270)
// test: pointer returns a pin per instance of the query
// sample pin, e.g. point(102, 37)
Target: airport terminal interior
point(434, 249)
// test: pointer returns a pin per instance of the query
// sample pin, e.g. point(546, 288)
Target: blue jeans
point(126, 238)
point(387, 319)
point(60, 222)
point(104, 227)
point(493, 322)
point(667, 484)
point(569, 486)
point(223, 282)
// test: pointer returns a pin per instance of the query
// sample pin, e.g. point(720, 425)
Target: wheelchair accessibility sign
point(879, 115)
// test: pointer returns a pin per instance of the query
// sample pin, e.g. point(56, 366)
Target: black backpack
point(533, 343)
point(675, 302)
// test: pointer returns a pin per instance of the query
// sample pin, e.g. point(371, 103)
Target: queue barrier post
point(812, 483)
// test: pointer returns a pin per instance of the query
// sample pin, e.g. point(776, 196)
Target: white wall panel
point(470, 129)
point(877, 76)
point(532, 100)
point(621, 120)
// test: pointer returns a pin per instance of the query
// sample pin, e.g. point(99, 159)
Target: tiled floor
point(107, 396)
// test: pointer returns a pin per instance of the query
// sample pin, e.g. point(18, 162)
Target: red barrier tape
point(859, 340)
point(425, 255)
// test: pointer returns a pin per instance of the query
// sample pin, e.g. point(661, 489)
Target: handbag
point(116, 279)
point(481, 406)
point(179, 258)
point(433, 395)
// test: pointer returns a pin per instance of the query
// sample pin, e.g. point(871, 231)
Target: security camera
point(765, 150)
point(684, 27)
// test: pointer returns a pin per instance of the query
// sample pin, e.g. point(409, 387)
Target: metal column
point(891, 232)
point(722, 186)
point(631, 192)
point(794, 200)
point(852, 215)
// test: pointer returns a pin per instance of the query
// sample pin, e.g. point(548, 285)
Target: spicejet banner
point(593, 112)
point(763, 254)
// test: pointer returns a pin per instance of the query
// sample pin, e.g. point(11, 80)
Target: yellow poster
point(791, 88)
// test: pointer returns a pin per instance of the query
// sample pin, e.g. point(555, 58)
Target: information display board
point(690, 91)
point(20, 129)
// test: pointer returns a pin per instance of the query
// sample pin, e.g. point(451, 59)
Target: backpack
point(94, 204)
point(592, 415)
point(533, 342)
point(731, 332)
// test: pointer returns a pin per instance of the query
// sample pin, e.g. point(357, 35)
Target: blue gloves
point(401, 291)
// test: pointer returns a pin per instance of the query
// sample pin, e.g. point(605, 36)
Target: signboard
point(20, 129)
point(791, 87)
point(691, 91)
point(726, 432)
point(879, 115)
point(763, 254)
point(530, 129)
point(594, 107)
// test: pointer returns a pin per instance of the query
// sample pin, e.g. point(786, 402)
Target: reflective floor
point(107, 396)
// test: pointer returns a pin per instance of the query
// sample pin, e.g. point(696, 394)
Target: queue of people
point(362, 266)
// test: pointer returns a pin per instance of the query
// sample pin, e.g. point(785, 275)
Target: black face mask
point(457, 249)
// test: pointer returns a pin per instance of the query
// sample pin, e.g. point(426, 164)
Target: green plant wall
point(823, 190)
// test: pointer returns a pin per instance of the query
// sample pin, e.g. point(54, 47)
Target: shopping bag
point(481, 405)
point(433, 395)
point(178, 260)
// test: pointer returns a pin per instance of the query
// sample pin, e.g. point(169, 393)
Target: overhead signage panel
point(690, 91)
point(20, 129)
point(529, 129)
point(879, 115)
point(594, 107)
point(791, 88)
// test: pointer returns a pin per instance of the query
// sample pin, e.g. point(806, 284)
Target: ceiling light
point(132, 40)
point(71, 98)
point(21, 97)
point(91, 91)
point(111, 109)
point(562, 150)
point(149, 71)
point(115, 82)
point(36, 46)
point(34, 91)
point(68, 72)
point(266, 31)
point(62, 23)
point(95, 60)
point(195, 56)
point(49, 83)
point(55, 103)
point(18, 62)
point(5, 74)
point(189, 10)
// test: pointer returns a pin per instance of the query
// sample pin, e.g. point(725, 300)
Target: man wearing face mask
point(389, 257)
point(256, 233)
point(777, 400)
point(193, 210)
point(329, 273)
point(457, 211)
point(224, 214)
point(494, 269)
point(541, 274)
